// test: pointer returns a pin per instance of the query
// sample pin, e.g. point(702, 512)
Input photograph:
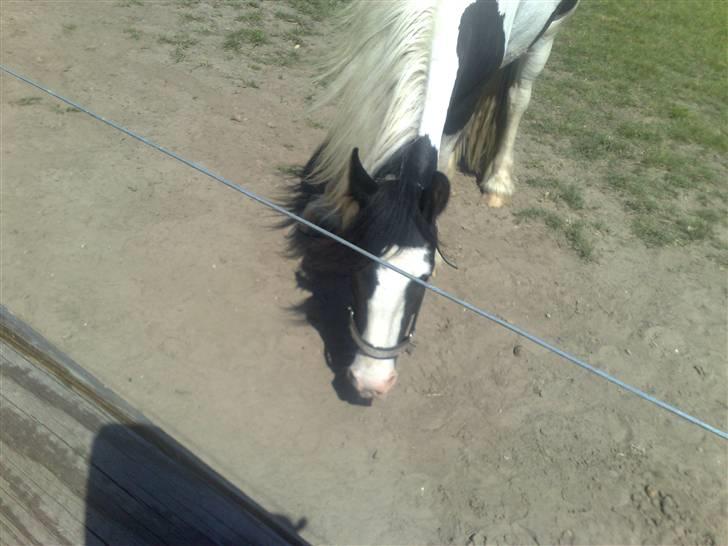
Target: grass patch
point(579, 241)
point(58, 109)
point(27, 101)
point(570, 194)
point(181, 42)
point(287, 16)
point(646, 117)
point(133, 33)
point(178, 40)
point(236, 40)
point(551, 219)
point(192, 18)
point(68, 28)
point(251, 17)
point(316, 9)
point(574, 232)
point(288, 170)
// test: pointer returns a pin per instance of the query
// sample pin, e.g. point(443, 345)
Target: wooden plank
point(79, 465)
point(68, 436)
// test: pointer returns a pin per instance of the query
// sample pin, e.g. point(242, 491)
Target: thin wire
point(485, 314)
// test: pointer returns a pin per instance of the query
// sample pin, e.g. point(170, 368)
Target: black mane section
point(392, 216)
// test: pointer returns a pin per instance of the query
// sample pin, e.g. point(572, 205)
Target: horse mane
point(394, 215)
point(377, 76)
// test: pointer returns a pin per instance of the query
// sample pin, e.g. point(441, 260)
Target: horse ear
point(434, 199)
point(361, 185)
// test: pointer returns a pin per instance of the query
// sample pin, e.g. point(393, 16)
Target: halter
point(380, 353)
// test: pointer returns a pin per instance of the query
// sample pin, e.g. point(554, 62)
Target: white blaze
point(385, 310)
point(387, 304)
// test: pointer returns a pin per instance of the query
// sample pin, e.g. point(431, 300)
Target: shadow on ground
point(326, 310)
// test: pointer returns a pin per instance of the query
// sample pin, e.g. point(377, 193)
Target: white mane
point(378, 78)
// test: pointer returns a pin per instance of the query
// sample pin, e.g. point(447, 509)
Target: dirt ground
point(176, 292)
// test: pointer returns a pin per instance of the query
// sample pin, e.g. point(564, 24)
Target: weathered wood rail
point(78, 465)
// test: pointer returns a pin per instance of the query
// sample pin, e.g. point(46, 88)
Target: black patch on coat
point(480, 48)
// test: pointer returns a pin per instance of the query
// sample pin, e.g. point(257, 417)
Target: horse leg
point(499, 176)
point(446, 156)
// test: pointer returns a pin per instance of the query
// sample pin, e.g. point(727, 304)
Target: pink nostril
point(368, 390)
point(384, 389)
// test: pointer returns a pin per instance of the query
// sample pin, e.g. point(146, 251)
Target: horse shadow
point(326, 309)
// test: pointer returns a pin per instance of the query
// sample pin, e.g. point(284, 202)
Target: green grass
point(287, 16)
point(570, 194)
point(181, 42)
point(288, 170)
point(635, 94)
point(575, 232)
point(192, 18)
point(250, 17)
point(27, 101)
point(58, 109)
point(133, 33)
point(236, 40)
point(317, 10)
point(178, 40)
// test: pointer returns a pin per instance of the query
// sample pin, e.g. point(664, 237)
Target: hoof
point(494, 201)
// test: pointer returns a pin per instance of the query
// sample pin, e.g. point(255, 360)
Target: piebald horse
point(421, 87)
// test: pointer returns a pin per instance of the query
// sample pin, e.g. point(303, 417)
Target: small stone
point(237, 117)
point(548, 315)
point(271, 125)
point(517, 350)
point(296, 46)
point(650, 491)
point(668, 506)
point(567, 538)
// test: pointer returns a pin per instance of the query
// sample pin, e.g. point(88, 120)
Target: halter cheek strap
point(379, 353)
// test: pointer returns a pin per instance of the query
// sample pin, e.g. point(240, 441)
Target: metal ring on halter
point(378, 352)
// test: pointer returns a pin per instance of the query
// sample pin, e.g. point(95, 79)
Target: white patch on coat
point(385, 311)
point(443, 68)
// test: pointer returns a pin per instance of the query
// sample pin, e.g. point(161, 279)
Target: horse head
point(396, 222)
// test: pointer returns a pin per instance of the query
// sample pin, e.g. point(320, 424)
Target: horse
point(422, 88)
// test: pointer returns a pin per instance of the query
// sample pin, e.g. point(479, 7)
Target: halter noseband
point(380, 353)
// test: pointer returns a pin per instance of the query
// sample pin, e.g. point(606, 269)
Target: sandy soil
point(176, 292)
